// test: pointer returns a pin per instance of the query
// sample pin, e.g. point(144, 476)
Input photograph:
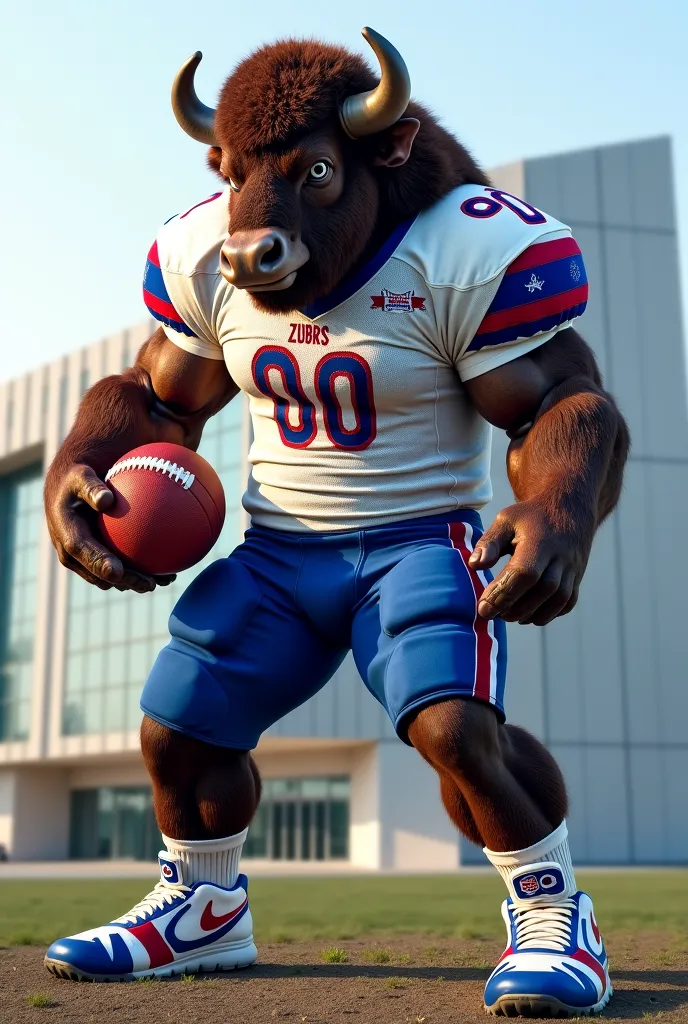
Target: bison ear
point(397, 143)
point(215, 161)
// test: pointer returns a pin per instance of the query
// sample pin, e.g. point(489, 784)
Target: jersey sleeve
point(538, 294)
point(190, 330)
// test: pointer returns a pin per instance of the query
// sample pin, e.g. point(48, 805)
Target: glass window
point(113, 822)
point(21, 514)
point(121, 634)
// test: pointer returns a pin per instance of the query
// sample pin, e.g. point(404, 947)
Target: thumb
point(88, 486)
point(495, 542)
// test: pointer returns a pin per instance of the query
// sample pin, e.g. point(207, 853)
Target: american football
point(169, 508)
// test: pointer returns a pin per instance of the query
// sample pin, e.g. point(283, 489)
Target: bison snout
point(263, 260)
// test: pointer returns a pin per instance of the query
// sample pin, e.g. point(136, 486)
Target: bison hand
point(71, 499)
point(549, 553)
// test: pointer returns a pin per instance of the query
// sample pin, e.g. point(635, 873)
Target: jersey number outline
point(481, 208)
point(332, 366)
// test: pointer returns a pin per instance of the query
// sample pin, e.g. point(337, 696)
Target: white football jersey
point(359, 412)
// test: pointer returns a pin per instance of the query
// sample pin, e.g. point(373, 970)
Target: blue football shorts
point(258, 633)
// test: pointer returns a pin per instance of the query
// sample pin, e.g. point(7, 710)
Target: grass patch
point(397, 982)
point(40, 1001)
point(292, 909)
point(377, 955)
point(334, 955)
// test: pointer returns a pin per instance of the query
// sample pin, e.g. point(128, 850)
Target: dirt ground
point(412, 980)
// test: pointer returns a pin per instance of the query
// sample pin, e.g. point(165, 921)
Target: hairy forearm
point(117, 414)
point(574, 454)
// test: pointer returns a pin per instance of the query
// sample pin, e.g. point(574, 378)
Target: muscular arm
point(168, 395)
point(565, 464)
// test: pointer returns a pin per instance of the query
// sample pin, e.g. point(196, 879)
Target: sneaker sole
point(227, 959)
point(543, 1006)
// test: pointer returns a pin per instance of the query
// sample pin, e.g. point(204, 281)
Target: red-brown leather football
point(169, 508)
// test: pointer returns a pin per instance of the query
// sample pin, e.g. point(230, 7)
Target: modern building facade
point(605, 687)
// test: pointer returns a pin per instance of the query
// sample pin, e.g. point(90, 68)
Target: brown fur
point(290, 90)
point(499, 785)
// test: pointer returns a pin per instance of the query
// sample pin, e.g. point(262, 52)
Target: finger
point(557, 604)
point(137, 581)
point(164, 581)
point(572, 601)
point(87, 485)
point(495, 542)
point(515, 580)
point(547, 586)
point(82, 546)
point(78, 569)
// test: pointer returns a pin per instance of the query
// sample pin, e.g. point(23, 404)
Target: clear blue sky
point(93, 161)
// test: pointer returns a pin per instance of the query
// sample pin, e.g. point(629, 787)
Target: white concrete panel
point(615, 185)
point(668, 487)
point(606, 807)
point(36, 399)
point(628, 347)
point(638, 605)
point(115, 351)
point(597, 612)
point(571, 760)
point(578, 183)
point(543, 188)
point(20, 406)
point(524, 696)
point(652, 184)
point(416, 834)
point(7, 802)
point(364, 810)
point(675, 780)
point(592, 325)
point(510, 178)
point(649, 805)
point(659, 325)
point(565, 720)
point(41, 822)
point(5, 398)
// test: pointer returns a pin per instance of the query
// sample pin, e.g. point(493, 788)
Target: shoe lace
point(547, 927)
point(161, 895)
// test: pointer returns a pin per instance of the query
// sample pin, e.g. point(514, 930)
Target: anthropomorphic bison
point(381, 304)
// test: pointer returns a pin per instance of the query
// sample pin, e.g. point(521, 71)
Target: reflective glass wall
point(21, 513)
point(113, 638)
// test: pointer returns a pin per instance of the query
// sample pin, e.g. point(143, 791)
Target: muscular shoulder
point(190, 242)
point(470, 236)
point(182, 275)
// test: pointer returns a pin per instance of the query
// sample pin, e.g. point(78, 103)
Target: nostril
point(272, 255)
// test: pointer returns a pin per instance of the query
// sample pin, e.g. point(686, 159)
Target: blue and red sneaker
point(175, 929)
point(555, 964)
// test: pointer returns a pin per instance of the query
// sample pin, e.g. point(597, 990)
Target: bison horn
point(368, 112)
point(194, 117)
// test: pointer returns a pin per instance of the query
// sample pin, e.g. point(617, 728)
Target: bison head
point(321, 162)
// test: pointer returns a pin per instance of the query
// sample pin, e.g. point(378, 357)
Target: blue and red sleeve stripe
point(544, 287)
point(156, 298)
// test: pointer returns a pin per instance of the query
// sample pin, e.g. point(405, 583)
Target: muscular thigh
point(417, 638)
point(241, 654)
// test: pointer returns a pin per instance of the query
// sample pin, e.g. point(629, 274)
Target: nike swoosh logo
point(209, 921)
point(185, 945)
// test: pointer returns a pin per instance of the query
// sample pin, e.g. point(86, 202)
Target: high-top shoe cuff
point(541, 873)
point(543, 882)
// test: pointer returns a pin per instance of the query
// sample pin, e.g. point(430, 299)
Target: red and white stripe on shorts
point(486, 643)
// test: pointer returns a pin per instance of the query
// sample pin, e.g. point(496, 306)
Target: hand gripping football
point(169, 508)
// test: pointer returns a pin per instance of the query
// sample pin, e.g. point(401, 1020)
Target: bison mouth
point(280, 285)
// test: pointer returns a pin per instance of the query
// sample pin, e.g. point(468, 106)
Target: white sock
point(542, 873)
point(208, 860)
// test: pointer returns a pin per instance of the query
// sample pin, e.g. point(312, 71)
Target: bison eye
point(320, 173)
point(233, 185)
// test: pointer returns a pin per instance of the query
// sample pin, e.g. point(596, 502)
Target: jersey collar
point(346, 288)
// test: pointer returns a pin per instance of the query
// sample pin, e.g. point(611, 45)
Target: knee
point(459, 736)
